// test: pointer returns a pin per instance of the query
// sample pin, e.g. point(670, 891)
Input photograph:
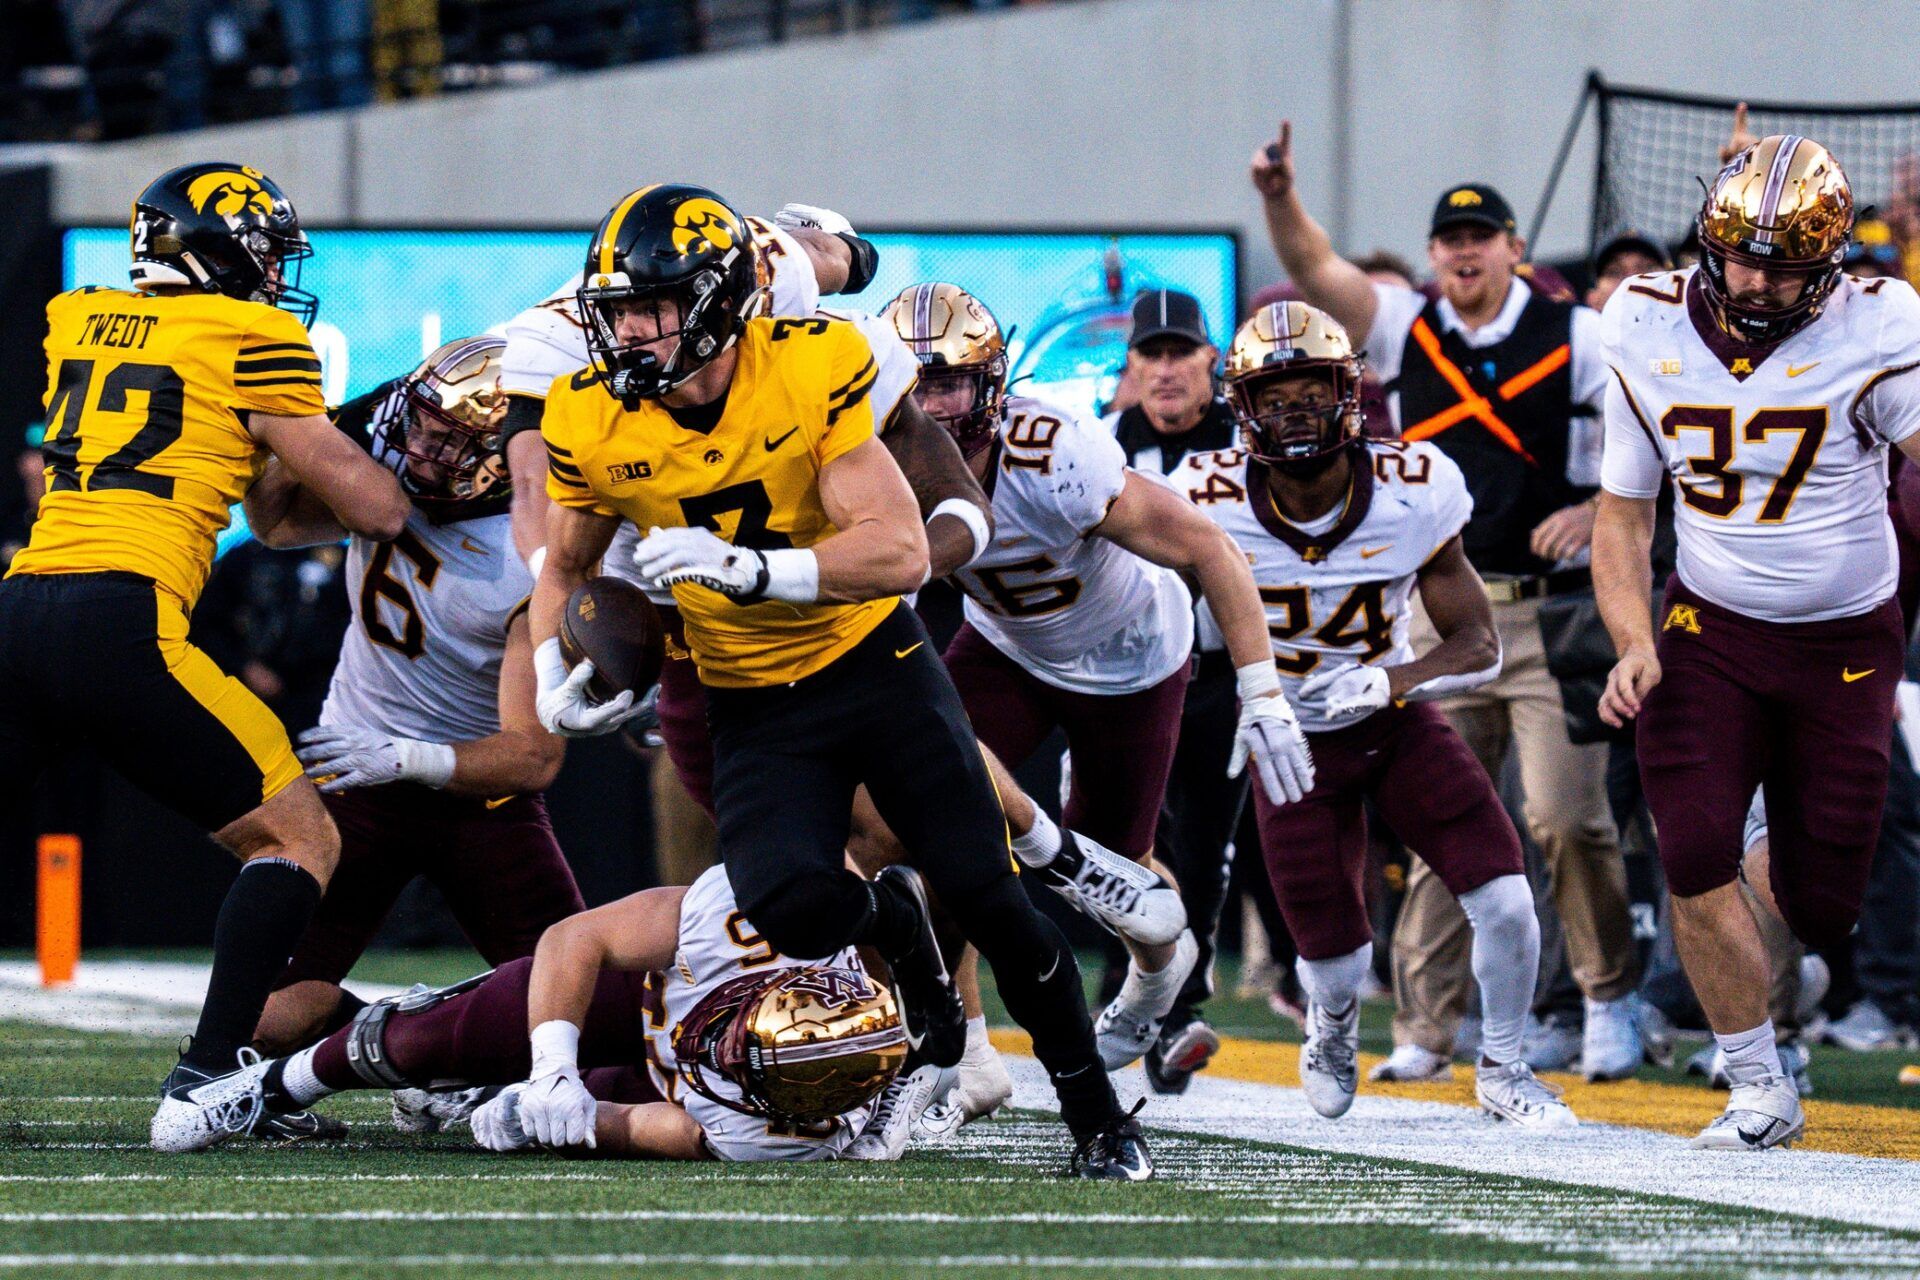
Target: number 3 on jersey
point(1716, 466)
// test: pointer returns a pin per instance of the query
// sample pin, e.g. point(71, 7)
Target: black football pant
point(787, 759)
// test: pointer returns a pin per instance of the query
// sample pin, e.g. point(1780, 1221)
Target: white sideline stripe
point(139, 997)
point(670, 1215)
point(1806, 1184)
point(872, 1264)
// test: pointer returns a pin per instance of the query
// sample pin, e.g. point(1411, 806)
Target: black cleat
point(299, 1126)
point(1178, 1053)
point(1117, 1153)
point(929, 1002)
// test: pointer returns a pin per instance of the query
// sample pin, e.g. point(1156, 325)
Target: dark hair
point(1387, 260)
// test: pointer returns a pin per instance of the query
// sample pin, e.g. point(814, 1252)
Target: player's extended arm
point(282, 512)
point(940, 478)
point(1324, 278)
point(1468, 654)
point(575, 542)
point(1623, 588)
point(649, 1131)
point(523, 756)
point(322, 459)
point(527, 465)
point(881, 549)
point(831, 257)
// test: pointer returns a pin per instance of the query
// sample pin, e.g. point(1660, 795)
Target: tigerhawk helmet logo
point(701, 224)
point(226, 194)
point(1462, 199)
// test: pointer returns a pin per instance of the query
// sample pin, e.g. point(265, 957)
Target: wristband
point(550, 665)
point(1257, 679)
point(556, 1048)
point(523, 413)
point(428, 763)
point(792, 574)
point(971, 516)
point(866, 261)
point(536, 562)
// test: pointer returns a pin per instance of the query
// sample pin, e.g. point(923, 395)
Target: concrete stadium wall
point(1109, 112)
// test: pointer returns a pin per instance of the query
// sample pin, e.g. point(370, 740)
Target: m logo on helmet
point(1464, 199)
point(700, 225)
point(227, 194)
point(834, 988)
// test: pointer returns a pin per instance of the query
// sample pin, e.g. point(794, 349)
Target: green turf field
point(80, 1196)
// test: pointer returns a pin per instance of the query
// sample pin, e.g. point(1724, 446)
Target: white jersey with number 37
point(1780, 453)
point(1336, 589)
point(717, 945)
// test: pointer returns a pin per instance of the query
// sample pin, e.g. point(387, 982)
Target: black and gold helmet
point(1783, 204)
point(221, 228)
point(1287, 340)
point(667, 243)
point(953, 335)
point(448, 428)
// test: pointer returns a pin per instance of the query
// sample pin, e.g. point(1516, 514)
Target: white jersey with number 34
point(1780, 453)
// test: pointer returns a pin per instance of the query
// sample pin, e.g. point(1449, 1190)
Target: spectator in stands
point(1627, 254)
point(327, 40)
point(406, 49)
point(1508, 383)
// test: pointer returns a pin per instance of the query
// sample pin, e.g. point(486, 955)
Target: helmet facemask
point(447, 427)
point(1303, 434)
point(972, 429)
point(1763, 323)
point(695, 320)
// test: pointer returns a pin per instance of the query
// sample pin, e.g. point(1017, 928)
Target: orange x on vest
point(1472, 403)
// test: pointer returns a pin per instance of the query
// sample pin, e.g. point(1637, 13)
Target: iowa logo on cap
point(226, 194)
point(1465, 198)
point(700, 225)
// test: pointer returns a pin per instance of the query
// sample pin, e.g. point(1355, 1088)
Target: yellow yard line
point(1850, 1128)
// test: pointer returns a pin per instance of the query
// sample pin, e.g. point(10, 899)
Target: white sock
point(1041, 844)
point(1751, 1055)
point(1335, 984)
point(299, 1082)
point(1506, 961)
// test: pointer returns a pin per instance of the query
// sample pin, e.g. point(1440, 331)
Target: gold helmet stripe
point(612, 237)
point(1776, 185)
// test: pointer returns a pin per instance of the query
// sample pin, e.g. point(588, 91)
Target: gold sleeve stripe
point(854, 396)
point(278, 364)
point(574, 481)
point(272, 348)
point(865, 369)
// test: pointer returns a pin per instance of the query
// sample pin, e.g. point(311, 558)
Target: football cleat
point(1178, 1053)
point(1550, 1044)
point(298, 1126)
point(1762, 1114)
point(1128, 1026)
point(425, 1111)
point(901, 1105)
point(929, 1002)
point(1610, 1047)
point(1115, 892)
point(198, 1111)
point(1117, 1153)
point(1512, 1092)
point(1330, 1059)
point(1866, 1028)
point(1412, 1064)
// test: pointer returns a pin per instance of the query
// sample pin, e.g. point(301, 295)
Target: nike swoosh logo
point(913, 1041)
point(901, 653)
point(1851, 676)
point(1052, 968)
point(468, 544)
point(777, 442)
point(1794, 371)
point(495, 804)
point(1368, 553)
point(1759, 1136)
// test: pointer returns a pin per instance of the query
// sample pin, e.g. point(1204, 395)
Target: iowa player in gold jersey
point(747, 449)
point(165, 406)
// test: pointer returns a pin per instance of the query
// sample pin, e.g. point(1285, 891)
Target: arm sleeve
point(852, 372)
point(896, 370)
point(1453, 504)
point(794, 289)
point(1631, 467)
point(1889, 405)
point(543, 342)
point(275, 369)
point(1392, 320)
point(566, 476)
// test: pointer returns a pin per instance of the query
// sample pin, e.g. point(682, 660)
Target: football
point(612, 624)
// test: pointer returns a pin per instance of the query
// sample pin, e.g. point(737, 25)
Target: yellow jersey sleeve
point(275, 369)
point(575, 404)
point(852, 371)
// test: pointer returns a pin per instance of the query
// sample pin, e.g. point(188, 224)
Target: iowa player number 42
point(66, 415)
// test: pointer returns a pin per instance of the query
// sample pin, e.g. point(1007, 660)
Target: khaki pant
point(1567, 815)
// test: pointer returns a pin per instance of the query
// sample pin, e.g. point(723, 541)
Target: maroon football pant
point(1429, 789)
point(1805, 708)
point(682, 708)
point(499, 868)
point(479, 1037)
point(1122, 744)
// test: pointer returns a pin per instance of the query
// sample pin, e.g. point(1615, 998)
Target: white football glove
point(667, 556)
point(342, 757)
point(1349, 694)
point(554, 1106)
point(562, 702)
point(496, 1122)
point(792, 217)
point(1269, 734)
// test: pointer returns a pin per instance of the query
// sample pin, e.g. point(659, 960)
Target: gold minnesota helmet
point(1290, 340)
point(448, 427)
point(953, 335)
point(802, 1044)
point(1783, 204)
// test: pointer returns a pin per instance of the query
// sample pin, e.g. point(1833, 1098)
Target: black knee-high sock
point(265, 912)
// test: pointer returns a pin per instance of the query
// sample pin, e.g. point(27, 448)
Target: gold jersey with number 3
point(147, 445)
point(800, 397)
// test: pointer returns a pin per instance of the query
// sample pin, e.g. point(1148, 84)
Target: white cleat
point(1115, 892)
point(1330, 1059)
point(1760, 1115)
point(1610, 1046)
point(198, 1111)
point(1512, 1092)
point(425, 1111)
point(901, 1103)
point(983, 1088)
point(1411, 1064)
point(1127, 1028)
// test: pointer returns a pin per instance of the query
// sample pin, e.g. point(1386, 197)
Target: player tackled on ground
point(1340, 530)
point(165, 406)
